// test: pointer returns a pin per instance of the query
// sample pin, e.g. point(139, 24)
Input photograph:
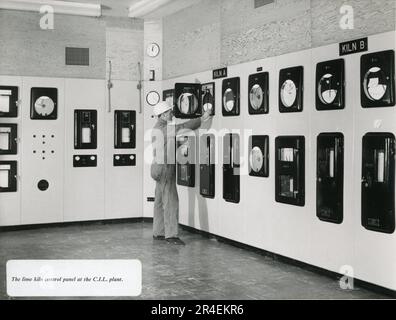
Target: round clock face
point(326, 91)
point(153, 98)
point(44, 106)
point(256, 97)
point(187, 103)
point(374, 84)
point(229, 100)
point(153, 50)
point(256, 159)
point(288, 93)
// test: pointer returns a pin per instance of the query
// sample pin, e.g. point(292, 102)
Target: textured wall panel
point(370, 17)
point(192, 39)
point(26, 49)
point(125, 49)
point(192, 44)
point(272, 30)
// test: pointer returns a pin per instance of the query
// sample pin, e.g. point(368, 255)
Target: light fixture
point(145, 7)
point(62, 7)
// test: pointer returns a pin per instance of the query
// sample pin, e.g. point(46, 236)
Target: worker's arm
point(193, 124)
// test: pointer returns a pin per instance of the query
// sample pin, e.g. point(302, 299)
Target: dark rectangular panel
point(124, 129)
point(77, 56)
point(80, 161)
point(290, 170)
point(377, 79)
point(124, 160)
point(330, 177)
point(378, 182)
point(261, 3)
point(8, 176)
point(259, 156)
point(185, 156)
point(8, 138)
point(43, 103)
point(9, 96)
point(231, 97)
point(85, 129)
point(188, 103)
point(231, 168)
point(207, 166)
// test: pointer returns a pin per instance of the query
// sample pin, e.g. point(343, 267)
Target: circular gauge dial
point(327, 93)
point(187, 103)
point(207, 101)
point(256, 159)
point(229, 100)
point(256, 97)
point(288, 93)
point(374, 84)
point(153, 98)
point(44, 106)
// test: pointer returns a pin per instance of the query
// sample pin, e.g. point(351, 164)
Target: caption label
point(74, 278)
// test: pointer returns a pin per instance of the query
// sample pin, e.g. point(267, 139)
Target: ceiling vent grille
point(77, 56)
point(260, 3)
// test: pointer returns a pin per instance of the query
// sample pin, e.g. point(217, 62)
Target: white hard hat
point(161, 107)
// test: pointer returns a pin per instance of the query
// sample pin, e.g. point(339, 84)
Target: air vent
point(77, 56)
point(260, 3)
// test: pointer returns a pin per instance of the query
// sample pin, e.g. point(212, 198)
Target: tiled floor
point(203, 269)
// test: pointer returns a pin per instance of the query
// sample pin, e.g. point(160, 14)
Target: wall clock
point(153, 50)
point(153, 98)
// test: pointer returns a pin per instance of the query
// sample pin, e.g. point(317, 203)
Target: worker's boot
point(175, 241)
point(159, 237)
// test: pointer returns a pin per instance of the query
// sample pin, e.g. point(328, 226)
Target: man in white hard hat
point(163, 171)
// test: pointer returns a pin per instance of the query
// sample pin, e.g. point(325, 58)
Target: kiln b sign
point(353, 46)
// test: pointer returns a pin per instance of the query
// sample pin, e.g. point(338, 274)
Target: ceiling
point(119, 8)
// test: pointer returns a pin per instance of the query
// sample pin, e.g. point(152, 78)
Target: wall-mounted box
point(330, 177)
point(377, 79)
point(84, 161)
point(378, 182)
point(259, 156)
point(231, 168)
point(185, 157)
point(124, 129)
point(291, 89)
point(290, 170)
point(44, 103)
point(9, 96)
point(258, 93)
point(188, 102)
point(124, 160)
point(330, 85)
point(207, 165)
point(168, 96)
point(231, 97)
point(208, 95)
point(8, 176)
point(8, 138)
point(85, 129)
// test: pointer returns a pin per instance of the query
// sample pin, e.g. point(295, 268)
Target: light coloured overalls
point(163, 171)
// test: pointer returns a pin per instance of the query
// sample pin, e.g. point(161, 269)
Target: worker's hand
point(206, 116)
